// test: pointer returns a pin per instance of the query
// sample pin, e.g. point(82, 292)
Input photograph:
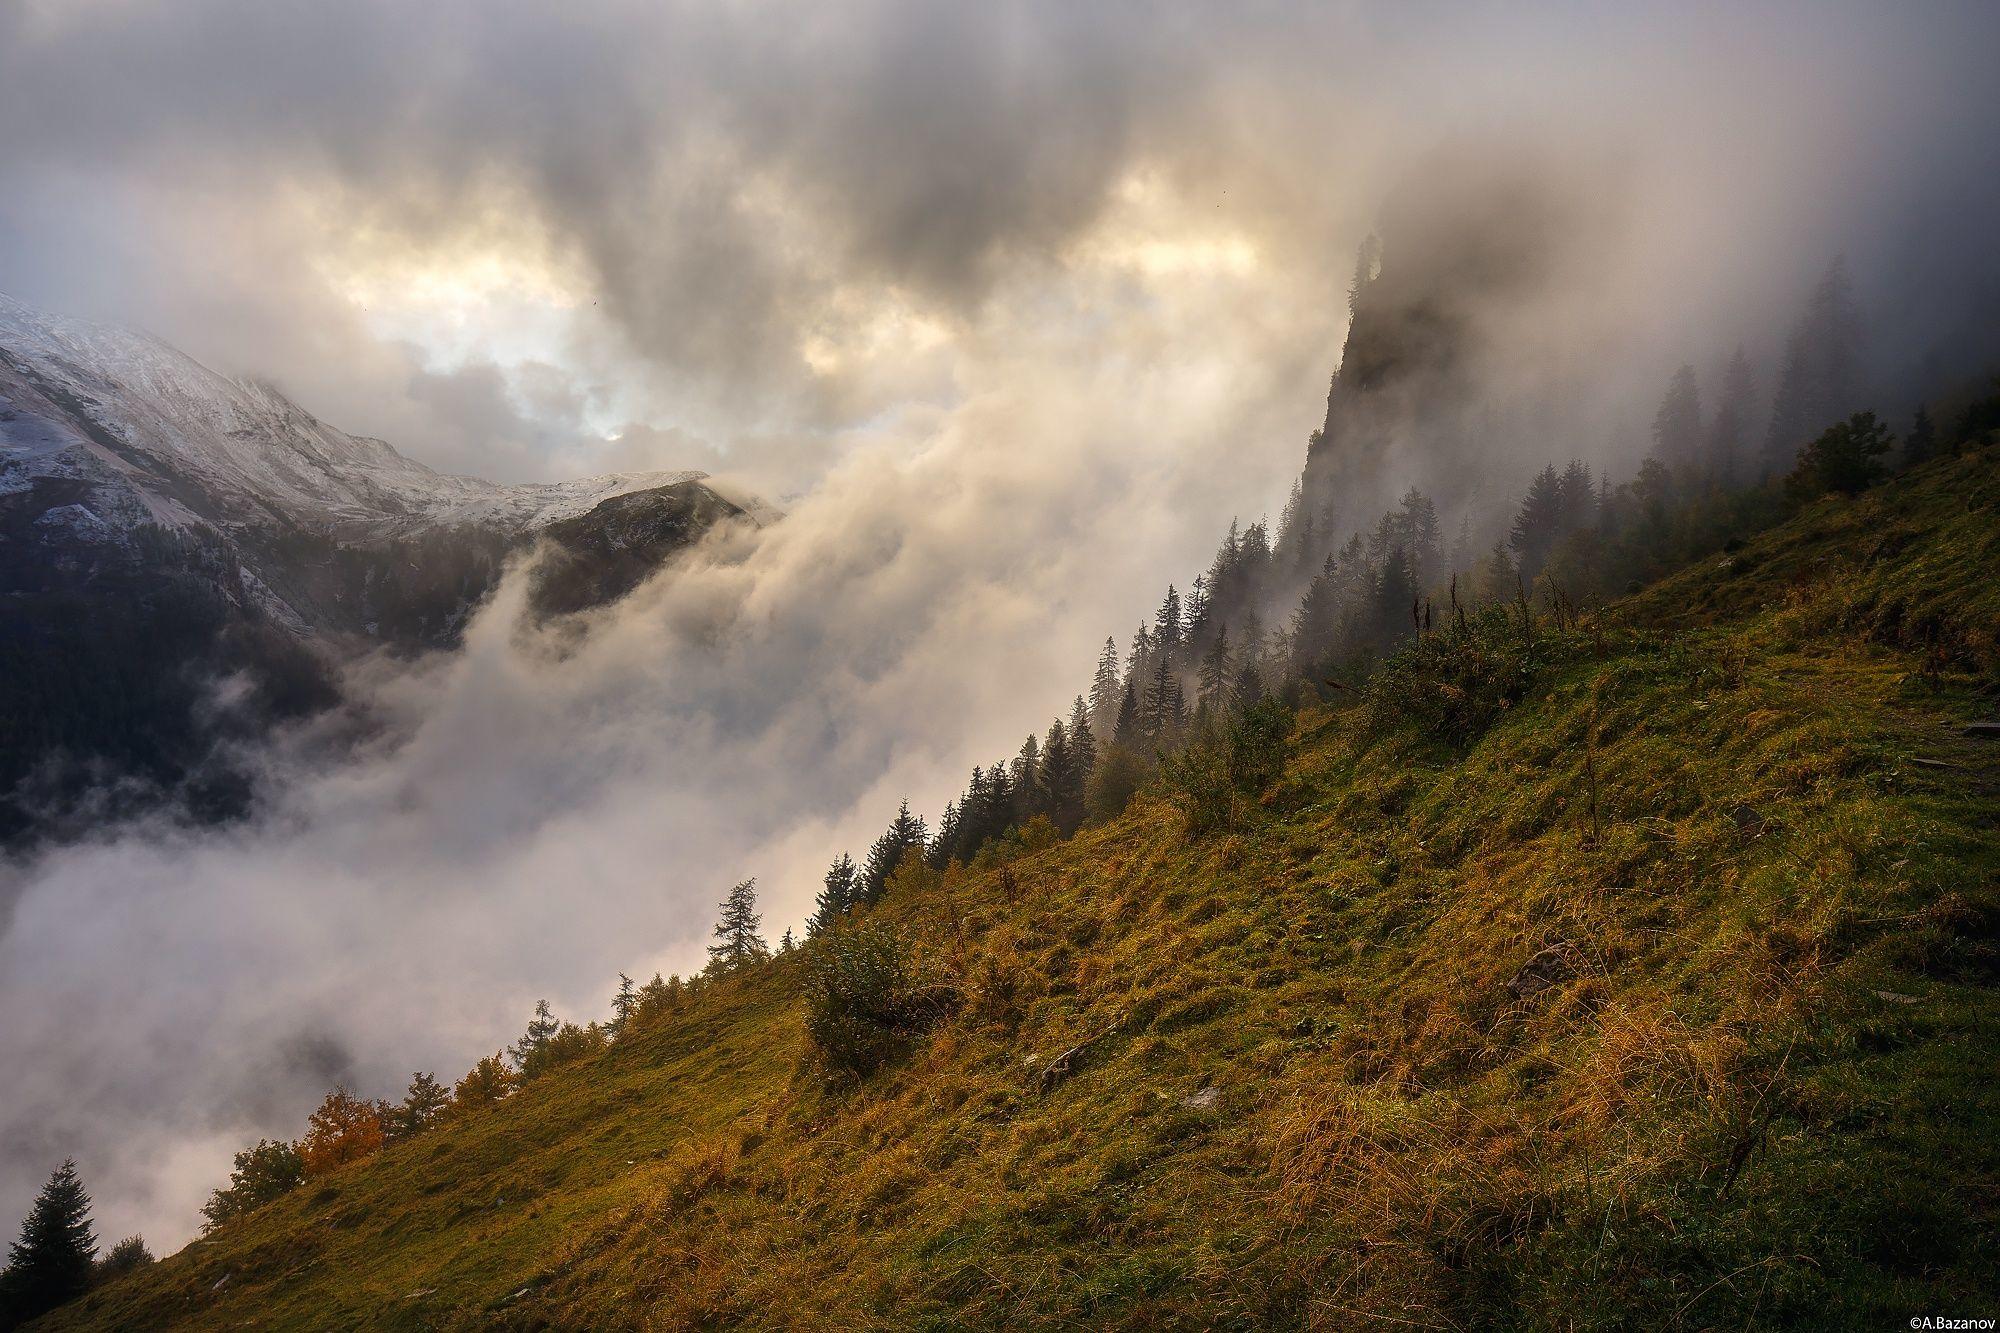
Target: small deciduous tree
point(344, 1129)
point(261, 1174)
point(127, 1256)
point(484, 1084)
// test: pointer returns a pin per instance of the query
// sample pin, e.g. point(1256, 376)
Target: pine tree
point(737, 943)
point(835, 899)
point(51, 1263)
point(542, 1029)
point(786, 943)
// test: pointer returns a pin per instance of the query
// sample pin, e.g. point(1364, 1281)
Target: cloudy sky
point(1013, 307)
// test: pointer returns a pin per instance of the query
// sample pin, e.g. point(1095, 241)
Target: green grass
point(1720, 1054)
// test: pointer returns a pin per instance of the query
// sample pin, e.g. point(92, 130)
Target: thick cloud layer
point(1019, 303)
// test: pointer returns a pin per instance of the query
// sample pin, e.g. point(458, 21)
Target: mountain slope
point(1667, 1002)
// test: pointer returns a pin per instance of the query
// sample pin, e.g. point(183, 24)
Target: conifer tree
point(1920, 445)
point(1082, 739)
point(1732, 418)
point(542, 1029)
point(904, 832)
point(1126, 732)
point(1677, 425)
point(737, 943)
point(1106, 689)
point(786, 943)
point(1214, 679)
point(424, 1104)
point(1539, 523)
point(1167, 625)
point(1576, 499)
point(1844, 458)
point(1062, 781)
point(1367, 261)
point(623, 1004)
point(1819, 380)
point(1422, 539)
point(50, 1264)
point(1160, 702)
point(836, 898)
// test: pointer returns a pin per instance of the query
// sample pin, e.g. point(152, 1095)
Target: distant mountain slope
point(1670, 1001)
point(109, 406)
point(163, 527)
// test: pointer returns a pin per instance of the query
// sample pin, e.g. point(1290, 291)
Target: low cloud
point(1015, 307)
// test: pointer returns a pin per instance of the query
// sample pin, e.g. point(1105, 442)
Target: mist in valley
point(1011, 312)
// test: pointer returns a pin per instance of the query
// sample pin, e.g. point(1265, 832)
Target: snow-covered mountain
point(163, 527)
point(121, 410)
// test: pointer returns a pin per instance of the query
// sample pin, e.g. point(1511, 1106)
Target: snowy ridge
point(161, 438)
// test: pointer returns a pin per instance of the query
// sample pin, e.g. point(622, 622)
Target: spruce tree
point(1126, 731)
point(1214, 681)
point(1539, 523)
point(904, 832)
point(1920, 445)
point(1062, 780)
point(737, 943)
point(51, 1263)
point(1677, 425)
point(1724, 459)
point(1167, 624)
point(835, 898)
point(1082, 739)
point(1106, 689)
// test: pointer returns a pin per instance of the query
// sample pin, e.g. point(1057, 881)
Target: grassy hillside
point(1666, 1002)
